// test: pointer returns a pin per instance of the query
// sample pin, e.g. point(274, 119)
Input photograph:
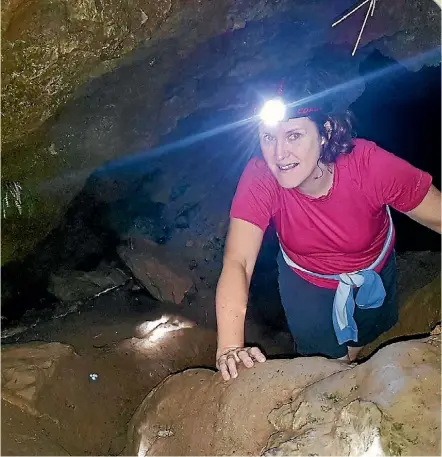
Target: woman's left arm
point(428, 212)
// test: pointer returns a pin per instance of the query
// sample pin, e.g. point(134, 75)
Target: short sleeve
point(391, 180)
point(256, 195)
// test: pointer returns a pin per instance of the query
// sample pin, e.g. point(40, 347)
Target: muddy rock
point(231, 416)
point(80, 403)
point(389, 405)
point(25, 369)
point(157, 268)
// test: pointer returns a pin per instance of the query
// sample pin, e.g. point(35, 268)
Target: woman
point(327, 195)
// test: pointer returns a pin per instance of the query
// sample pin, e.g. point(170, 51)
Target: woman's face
point(291, 150)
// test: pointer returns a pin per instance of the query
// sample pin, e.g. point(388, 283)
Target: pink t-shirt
point(343, 231)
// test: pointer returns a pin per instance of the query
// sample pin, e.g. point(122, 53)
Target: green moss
point(30, 166)
point(22, 232)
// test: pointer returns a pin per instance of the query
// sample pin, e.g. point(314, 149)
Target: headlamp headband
point(275, 110)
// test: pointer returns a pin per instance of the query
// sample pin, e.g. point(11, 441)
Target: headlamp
point(273, 111)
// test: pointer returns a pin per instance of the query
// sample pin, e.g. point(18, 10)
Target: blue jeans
point(308, 309)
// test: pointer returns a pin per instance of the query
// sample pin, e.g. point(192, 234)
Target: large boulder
point(158, 269)
point(389, 405)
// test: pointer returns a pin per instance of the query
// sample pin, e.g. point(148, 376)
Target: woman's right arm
point(242, 247)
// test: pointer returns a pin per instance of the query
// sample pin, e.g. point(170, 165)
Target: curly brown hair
point(337, 129)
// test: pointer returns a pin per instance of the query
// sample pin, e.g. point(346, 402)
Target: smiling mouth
point(287, 167)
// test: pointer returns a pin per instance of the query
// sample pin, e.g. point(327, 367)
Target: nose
point(281, 151)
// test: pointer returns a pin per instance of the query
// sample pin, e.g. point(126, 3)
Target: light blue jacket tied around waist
point(371, 293)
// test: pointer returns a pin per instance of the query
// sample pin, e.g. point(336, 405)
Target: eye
point(293, 136)
point(268, 138)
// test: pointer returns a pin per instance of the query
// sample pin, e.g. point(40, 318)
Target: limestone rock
point(86, 82)
point(157, 268)
point(68, 42)
point(65, 43)
point(389, 405)
point(26, 368)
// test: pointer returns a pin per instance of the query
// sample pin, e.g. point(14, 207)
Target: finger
point(235, 355)
point(257, 354)
point(224, 371)
point(245, 358)
point(219, 359)
point(231, 365)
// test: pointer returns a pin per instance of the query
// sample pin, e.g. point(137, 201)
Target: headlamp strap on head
point(300, 112)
